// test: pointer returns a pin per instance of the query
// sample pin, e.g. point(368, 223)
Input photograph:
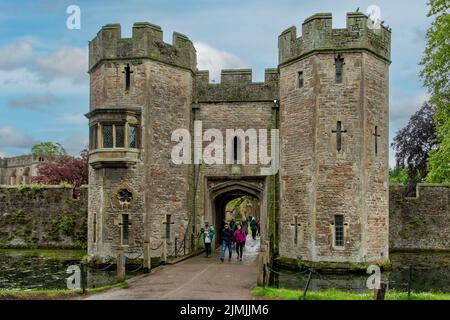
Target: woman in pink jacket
point(239, 238)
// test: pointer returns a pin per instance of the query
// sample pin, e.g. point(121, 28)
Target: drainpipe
point(196, 173)
point(275, 120)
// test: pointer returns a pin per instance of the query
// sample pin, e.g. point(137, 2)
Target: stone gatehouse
point(328, 97)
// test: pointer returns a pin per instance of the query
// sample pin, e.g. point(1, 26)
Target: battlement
point(236, 85)
point(24, 160)
point(146, 42)
point(318, 35)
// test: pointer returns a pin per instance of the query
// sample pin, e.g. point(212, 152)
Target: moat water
point(430, 272)
point(46, 269)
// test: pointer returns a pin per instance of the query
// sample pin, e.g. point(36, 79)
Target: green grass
point(286, 294)
point(54, 294)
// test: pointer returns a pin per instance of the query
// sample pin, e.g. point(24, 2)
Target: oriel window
point(108, 139)
point(120, 136)
point(93, 137)
point(133, 136)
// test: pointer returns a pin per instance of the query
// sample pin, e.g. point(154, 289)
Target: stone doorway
point(222, 191)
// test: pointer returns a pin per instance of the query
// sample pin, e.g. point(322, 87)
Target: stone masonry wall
point(43, 217)
point(421, 222)
point(317, 181)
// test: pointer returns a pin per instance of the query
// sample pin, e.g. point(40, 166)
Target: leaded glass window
point(133, 137)
point(339, 230)
point(120, 136)
point(107, 136)
point(93, 137)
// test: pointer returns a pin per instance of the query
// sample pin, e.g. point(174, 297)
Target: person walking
point(232, 225)
point(239, 238)
point(227, 240)
point(253, 227)
point(208, 234)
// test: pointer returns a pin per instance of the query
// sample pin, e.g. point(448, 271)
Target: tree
point(413, 143)
point(398, 175)
point(48, 149)
point(435, 74)
point(64, 169)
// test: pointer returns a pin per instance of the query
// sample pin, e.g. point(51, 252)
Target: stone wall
point(421, 222)
point(19, 170)
point(42, 217)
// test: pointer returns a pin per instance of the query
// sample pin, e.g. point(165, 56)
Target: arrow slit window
point(339, 230)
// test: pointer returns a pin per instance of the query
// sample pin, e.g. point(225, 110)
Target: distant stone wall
point(42, 217)
point(421, 222)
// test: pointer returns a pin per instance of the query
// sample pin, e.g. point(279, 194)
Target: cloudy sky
point(43, 80)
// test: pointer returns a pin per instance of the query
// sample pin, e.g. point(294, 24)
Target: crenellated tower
point(334, 88)
point(141, 91)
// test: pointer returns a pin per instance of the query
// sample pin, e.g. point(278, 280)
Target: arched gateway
point(222, 191)
point(328, 202)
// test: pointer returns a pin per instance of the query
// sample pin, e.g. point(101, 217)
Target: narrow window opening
point(376, 135)
point(300, 79)
point(125, 229)
point(235, 150)
point(128, 72)
point(339, 230)
point(339, 63)
point(168, 223)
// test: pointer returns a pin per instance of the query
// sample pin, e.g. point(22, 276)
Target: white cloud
point(214, 60)
point(10, 137)
point(33, 102)
point(402, 107)
point(24, 80)
point(25, 66)
point(74, 118)
point(66, 62)
point(75, 144)
point(15, 54)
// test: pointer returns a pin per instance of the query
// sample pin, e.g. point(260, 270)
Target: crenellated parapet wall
point(146, 42)
point(236, 85)
point(421, 222)
point(318, 35)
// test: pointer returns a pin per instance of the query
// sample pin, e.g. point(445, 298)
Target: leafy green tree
point(435, 74)
point(398, 175)
point(48, 149)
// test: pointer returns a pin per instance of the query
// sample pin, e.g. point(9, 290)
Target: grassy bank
point(285, 294)
point(54, 294)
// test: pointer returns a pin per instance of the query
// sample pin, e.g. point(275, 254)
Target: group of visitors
point(231, 234)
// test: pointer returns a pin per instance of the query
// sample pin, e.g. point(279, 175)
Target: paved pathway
point(197, 278)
